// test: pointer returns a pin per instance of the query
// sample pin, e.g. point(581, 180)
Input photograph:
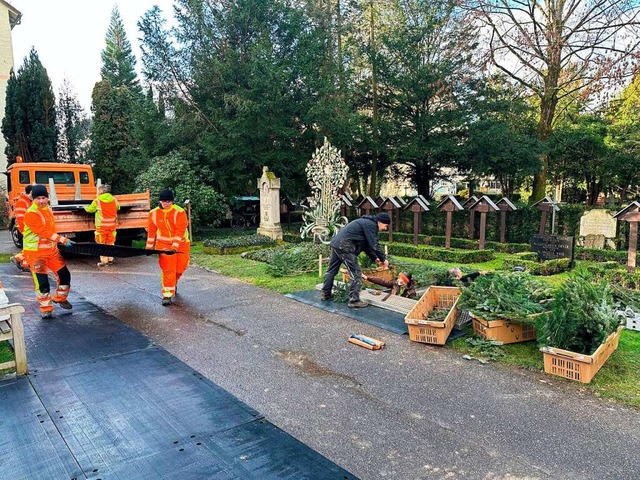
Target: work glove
point(69, 243)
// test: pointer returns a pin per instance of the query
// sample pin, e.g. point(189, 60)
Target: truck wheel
point(16, 236)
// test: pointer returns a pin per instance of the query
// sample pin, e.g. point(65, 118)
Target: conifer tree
point(118, 62)
point(73, 124)
point(29, 126)
point(116, 105)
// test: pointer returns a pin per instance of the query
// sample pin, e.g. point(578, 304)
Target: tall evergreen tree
point(73, 124)
point(29, 126)
point(116, 105)
point(118, 62)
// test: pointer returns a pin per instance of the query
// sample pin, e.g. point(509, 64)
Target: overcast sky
point(70, 34)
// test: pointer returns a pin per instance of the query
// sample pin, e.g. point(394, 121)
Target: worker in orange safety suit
point(167, 230)
point(19, 209)
point(106, 207)
point(40, 244)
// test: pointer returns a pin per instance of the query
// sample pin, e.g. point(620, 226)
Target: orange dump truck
point(72, 187)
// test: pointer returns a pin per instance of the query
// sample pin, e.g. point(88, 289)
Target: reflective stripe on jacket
point(40, 229)
point(106, 208)
point(167, 228)
point(20, 208)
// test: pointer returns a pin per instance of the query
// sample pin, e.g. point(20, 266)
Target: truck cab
point(72, 187)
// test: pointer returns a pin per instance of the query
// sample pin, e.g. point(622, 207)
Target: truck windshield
point(58, 177)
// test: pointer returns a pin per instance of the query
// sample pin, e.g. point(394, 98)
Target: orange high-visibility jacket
point(20, 208)
point(106, 208)
point(167, 229)
point(40, 230)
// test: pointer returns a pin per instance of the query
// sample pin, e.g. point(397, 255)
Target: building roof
point(15, 16)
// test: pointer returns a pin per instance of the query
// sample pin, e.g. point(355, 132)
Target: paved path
point(410, 411)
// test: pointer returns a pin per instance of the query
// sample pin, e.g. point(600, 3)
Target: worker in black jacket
point(359, 235)
point(456, 276)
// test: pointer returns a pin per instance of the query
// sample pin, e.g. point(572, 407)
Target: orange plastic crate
point(577, 366)
point(379, 272)
point(503, 331)
point(429, 331)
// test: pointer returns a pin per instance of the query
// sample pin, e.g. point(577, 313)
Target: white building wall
point(8, 16)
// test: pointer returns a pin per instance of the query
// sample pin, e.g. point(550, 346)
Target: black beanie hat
point(27, 189)
point(383, 218)
point(39, 191)
point(166, 194)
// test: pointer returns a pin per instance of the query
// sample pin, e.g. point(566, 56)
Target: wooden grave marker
point(472, 215)
point(389, 205)
point(417, 205)
point(483, 205)
point(449, 204)
point(505, 205)
point(367, 204)
point(631, 214)
point(546, 205)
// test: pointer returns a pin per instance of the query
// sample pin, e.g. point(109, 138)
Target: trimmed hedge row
point(233, 250)
point(462, 243)
point(548, 267)
point(597, 255)
point(236, 244)
point(425, 252)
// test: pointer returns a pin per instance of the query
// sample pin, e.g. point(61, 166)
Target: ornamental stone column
point(269, 187)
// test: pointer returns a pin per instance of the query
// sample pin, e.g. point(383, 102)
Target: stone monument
point(269, 187)
point(327, 174)
point(598, 224)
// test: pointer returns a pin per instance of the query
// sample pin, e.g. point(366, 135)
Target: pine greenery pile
point(582, 317)
point(506, 296)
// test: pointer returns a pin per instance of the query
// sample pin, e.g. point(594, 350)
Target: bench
point(11, 330)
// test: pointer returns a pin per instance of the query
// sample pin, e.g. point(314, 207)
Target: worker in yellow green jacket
point(106, 207)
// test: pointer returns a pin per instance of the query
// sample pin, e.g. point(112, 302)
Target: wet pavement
point(410, 411)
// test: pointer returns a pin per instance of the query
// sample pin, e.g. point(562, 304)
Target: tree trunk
point(374, 93)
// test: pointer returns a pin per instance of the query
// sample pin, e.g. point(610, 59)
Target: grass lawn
point(617, 380)
point(6, 354)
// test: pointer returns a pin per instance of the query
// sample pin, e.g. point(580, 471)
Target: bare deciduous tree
point(561, 49)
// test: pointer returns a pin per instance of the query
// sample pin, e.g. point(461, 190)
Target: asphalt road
point(410, 411)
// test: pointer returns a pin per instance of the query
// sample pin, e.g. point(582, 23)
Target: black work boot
point(64, 304)
point(166, 301)
point(357, 304)
point(326, 296)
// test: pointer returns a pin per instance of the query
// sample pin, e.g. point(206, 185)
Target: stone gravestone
point(597, 223)
point(550, 247)
point(269, 187)
point(594, 241)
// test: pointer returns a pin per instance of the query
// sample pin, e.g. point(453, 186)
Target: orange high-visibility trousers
point(173, 266)
point(105, 236)
point(40, 262)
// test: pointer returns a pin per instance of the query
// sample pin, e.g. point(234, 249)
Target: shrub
point(288, 260)
point(175, 172)
point(548, 267)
